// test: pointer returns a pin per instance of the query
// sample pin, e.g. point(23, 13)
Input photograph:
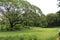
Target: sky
point(47, 6)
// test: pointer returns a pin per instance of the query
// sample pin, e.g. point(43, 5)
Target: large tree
point(13, 10)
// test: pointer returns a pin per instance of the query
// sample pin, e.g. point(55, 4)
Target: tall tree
point(13, 10)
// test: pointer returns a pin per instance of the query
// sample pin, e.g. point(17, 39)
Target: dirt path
point(57, 39)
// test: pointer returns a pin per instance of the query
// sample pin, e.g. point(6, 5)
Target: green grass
point(35, 33)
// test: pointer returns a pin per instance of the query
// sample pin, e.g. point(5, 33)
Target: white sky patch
point(47, 6)
point(2, 8)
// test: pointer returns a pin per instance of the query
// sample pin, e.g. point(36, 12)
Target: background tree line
point(53, 19)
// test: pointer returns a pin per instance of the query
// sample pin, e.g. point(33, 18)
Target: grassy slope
point(39, 33)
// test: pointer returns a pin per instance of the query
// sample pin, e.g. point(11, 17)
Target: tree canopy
point(16, 11)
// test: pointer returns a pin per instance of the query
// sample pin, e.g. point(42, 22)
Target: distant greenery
point(35, 33)
point(53, 19)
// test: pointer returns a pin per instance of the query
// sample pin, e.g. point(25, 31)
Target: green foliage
point(43, 21)
point(31, 19)
point(20, 12)
point(53, 19)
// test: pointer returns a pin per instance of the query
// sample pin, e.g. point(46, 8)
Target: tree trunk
point(11, 25)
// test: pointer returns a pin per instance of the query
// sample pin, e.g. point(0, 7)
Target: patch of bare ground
point(57, 38)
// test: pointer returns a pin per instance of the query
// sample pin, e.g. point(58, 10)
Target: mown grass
point(35, 33)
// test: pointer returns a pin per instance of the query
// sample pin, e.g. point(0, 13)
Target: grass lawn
point(35, 33)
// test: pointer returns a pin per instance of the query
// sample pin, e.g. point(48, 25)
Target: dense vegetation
point(53, 19)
